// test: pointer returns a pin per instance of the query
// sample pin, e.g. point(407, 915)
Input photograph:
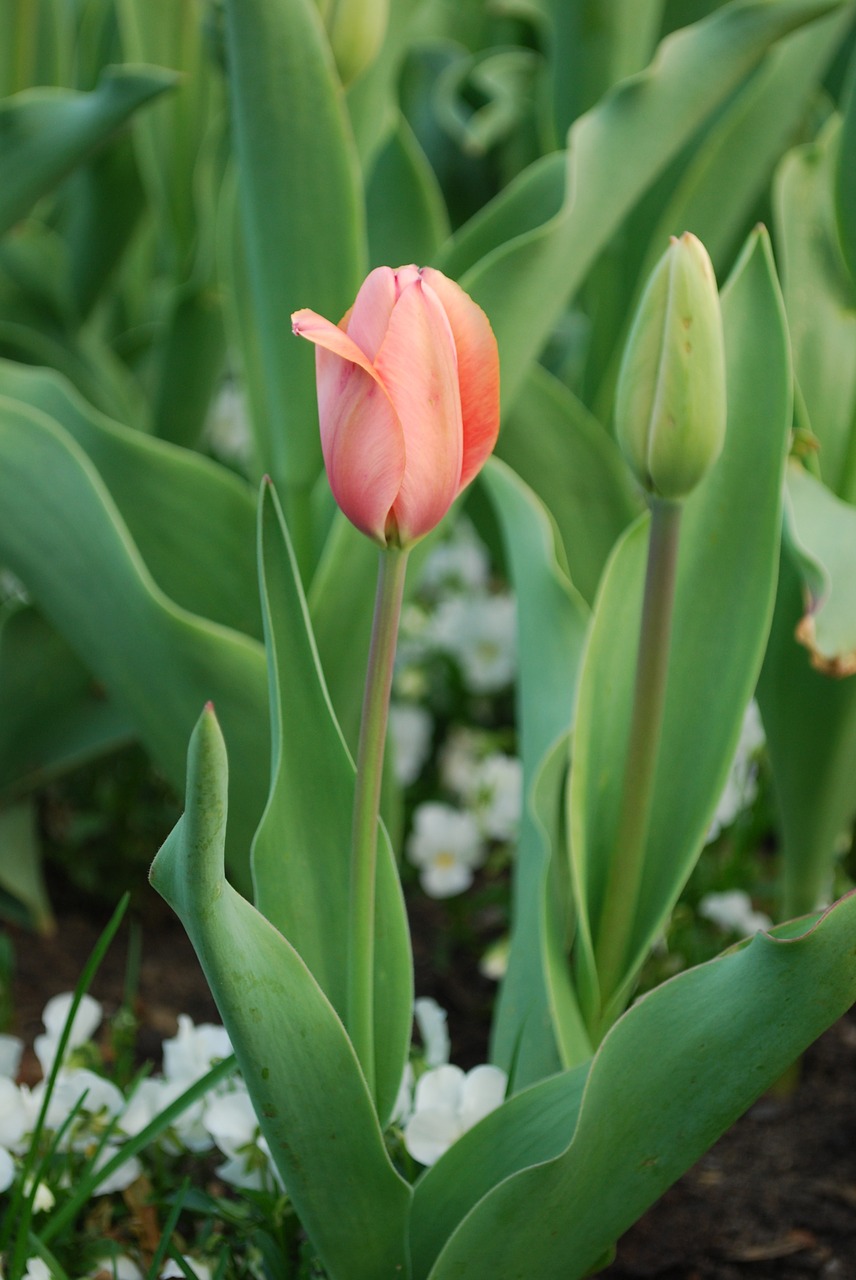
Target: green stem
point(390, 590)
point(625, 871)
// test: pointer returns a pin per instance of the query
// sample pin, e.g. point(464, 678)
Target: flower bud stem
point(625, 872)
point(370, 752)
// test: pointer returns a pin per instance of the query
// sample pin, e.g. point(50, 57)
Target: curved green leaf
point(192, 520)
point(65, 539)
point(307, 1087)
point(822, 530)
point(819, 304)
point(724, 597)
point(562, 452)
point(528, 1034)
point(301, 853)
point(670, 1077)
point(53, 715)
point(44, 133)
point(301, 204)
point(615, 152)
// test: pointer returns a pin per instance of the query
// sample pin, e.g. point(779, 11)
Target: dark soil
point(775, 1199)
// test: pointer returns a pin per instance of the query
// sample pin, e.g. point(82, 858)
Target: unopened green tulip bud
point(356, 29)
point(670, 402)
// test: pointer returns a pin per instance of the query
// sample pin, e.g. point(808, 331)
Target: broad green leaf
point(819, 304)
point(845, 173)
point(553, 443)
point(615, 152)
point(190, 356)
point(177, 169)
point(44, 133)
point(38, 324)
point(822, 530)
point(723, 604)
point(532, 1126)
point(307, 1087)
point(593, 46)
point(671, 1076)
point(65, 539)
point(37, 45)
point(21, 863)
point(53, 715)
point(406, 217)
point(301, 854)
point(729, 173)
point(192, 520)
point(99, 208)
point(552, 620)
point(301, 205)
point(810, 724)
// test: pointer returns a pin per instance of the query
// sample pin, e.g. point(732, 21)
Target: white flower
point(77, 1085)
point(227, 429)
point(461, 563)
point(194, 1050)
point(11, 1049)
point(732, 912)
point(480, 633)
point(411, 728)
point(498, 796)
point(446, 1104)
point(432, 1023)
point(37, 1269)
point(121, 1177)
point(55, 1015)
point(118, 1266)
point(232, 1123)
point(404, 1098)
point(741, 786)
point(7, 1170)
point(446, 846)
point(14, 1118)
point(200, 1269)
point(460, 758)
point(44, 1199)
point(494, 962)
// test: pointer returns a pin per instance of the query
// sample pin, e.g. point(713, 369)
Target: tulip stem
point(370, 752)
point(649, 698)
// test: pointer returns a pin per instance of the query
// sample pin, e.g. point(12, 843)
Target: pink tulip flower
point(408, 400)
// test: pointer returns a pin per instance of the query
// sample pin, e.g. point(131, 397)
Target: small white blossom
point(459, 564)
point(480, 633)
point(7, 1170)
point(227, 429)
point(11, 1049)
point(497, 796)
point(44, 1199)
point(121, 1177)
point(733, 913)
point(37, 1269)
point(201, 1270)
point(55, 1015)
point(494, 962)
point(446, 1104)
point(234, 1127)
point(193, 1051)
point(433, 1028)
point(446, 846)
point(118, 1266)
point(460, 758)
point(411, 727)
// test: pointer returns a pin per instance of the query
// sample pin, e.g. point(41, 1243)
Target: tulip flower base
point(773, 1200)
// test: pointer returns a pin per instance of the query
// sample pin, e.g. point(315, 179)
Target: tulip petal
point(478, 371)
point(418, 365)
point(361, 436)
point(367, 320)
